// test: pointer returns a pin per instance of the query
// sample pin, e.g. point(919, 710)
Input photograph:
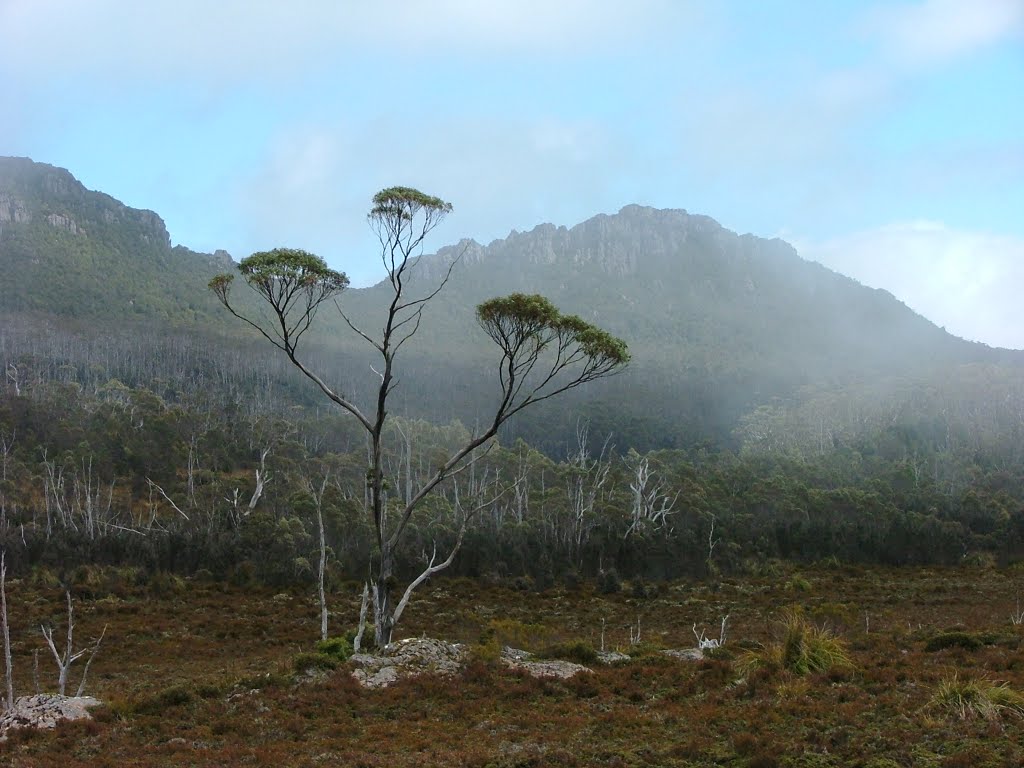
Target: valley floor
point(198, 674)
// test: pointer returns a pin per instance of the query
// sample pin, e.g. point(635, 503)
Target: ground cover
point(198, 673)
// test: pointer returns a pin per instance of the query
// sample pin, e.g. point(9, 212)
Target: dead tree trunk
point(8, 668)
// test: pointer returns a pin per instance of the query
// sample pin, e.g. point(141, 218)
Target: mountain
point(76, 253)
point(719, 324)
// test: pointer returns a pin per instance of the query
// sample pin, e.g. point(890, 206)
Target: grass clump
point(804, 649)
point(970, 699)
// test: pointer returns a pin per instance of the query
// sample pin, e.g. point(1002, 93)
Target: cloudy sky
point(884, 139)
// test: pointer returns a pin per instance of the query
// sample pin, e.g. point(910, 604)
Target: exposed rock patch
point(513, 658)
point(407, 658)
point(416, 656)
point(45, 711)
point(685, 654)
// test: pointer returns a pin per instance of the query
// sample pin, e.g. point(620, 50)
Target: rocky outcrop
point(61, 221)
point(45, 711)
point(407, 658)
point(513, 658)
point(13, 210)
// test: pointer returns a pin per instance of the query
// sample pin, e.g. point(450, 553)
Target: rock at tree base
point(45, 711)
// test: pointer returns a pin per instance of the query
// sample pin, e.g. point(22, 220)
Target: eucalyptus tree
point(542, 353)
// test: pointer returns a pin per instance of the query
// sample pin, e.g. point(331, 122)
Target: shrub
point(969, 699)
point(175, 696)
point(608, 582)
point(578, 651)
point(369, 641)
point(519, 635)
point(307, 662)
point(487, 649)
point(798, 584)
point(336, 647)
point(953, 640)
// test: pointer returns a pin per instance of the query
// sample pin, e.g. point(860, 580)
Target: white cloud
point(929, 32)
point(968, 282)
point(315, 184)
point(233, 40)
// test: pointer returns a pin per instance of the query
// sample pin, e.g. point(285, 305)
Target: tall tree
point(543, 353)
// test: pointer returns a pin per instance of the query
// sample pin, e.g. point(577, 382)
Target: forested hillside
point(772, 408)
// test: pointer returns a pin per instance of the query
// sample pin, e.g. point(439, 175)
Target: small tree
point(543, 353)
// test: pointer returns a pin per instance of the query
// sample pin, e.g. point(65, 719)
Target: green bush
point(336, 647)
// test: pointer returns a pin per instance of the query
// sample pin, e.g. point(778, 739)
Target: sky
point(884, 139)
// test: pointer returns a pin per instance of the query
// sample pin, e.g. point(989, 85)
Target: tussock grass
point(969, 699)
point(804, 648)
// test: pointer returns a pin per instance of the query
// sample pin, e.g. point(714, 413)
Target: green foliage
point(339, 648)
point(522, 324)
point(405, 203)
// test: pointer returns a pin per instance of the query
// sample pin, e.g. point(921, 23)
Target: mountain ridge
point(718, 323)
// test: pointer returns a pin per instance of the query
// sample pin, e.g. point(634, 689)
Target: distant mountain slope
point(74, 252)
point(718, 323)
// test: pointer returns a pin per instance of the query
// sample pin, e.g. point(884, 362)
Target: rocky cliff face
point(635, 240)
point(74, 251)
point(28, 188)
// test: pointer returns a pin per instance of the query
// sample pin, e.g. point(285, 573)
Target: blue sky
point(884, 139)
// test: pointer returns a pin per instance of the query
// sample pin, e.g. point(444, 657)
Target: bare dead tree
point(357, 643)
point(69, 656)
point(651, 506)
point(262, 478)
point(587, 479)
point(6, 627)
point(317, 495)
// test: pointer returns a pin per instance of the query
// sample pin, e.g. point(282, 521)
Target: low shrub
point(174, 696)
point(945, 640)
point(339, 648)
point(309, 662)
point(578, 651)
point(608, 582)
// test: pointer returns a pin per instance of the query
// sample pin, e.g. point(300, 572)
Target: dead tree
point(651, 506)
point(69, 656)
point(8, 666)
point(317, 495)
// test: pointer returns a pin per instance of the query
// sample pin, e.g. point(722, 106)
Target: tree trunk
point(383, 621)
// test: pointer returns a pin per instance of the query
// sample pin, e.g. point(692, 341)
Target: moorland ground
point(194, 673)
